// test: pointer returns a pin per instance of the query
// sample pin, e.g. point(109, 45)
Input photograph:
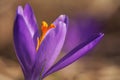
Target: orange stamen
point(44, 29)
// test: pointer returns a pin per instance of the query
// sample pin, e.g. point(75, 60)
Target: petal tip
point(101, 34)
point(20, 10)
point(62, 23)
point(27, 5)
point(64, 18)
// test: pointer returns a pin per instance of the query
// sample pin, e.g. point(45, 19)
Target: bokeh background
point(86, 18)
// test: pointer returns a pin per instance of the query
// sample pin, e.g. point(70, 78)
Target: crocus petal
point(52, 44)
point(30, 19)
point(24, 45)
point(76, 53)
point(62, 18)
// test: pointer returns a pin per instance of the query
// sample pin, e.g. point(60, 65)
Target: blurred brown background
point(102, 63)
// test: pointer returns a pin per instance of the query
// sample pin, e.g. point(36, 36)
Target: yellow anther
point(38, 43)
point(44, 29)
point(44, 24)
point(52, 26)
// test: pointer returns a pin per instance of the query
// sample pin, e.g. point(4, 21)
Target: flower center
point(44, 29)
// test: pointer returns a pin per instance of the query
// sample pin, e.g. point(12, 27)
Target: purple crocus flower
point(38, 52)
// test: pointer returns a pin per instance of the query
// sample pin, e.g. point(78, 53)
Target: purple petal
point(20, 10)
point(76, 53)
point(24, 45)
point(52, 44)
point(30, 19)
point(62, 18)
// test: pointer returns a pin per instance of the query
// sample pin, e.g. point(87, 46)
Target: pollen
point(44, 29)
